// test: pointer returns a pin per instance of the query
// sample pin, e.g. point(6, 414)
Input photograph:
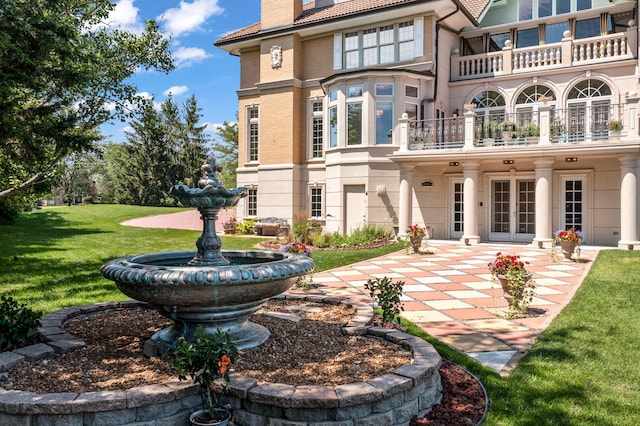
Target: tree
point(225, 150)
point(192, 152)
point(165, 147)
point(59, 72)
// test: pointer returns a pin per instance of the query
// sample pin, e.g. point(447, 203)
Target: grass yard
point(583, 370)
point(59, 251)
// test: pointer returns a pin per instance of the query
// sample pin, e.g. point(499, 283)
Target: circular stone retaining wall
point(391, 399)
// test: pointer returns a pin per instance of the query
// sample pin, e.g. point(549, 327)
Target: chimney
point(276, 13)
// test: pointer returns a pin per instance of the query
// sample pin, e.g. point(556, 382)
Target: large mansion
point(483, 120)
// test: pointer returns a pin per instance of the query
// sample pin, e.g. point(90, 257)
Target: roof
point(311, 14)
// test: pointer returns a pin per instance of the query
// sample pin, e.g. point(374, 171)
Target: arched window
point(589, 109)
point(490, 111)
point(527, 102)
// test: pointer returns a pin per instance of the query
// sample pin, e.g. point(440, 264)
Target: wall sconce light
point(571, 159)
point(508, 161)
point(455, 113)
point(454, 163)
point(427, 183)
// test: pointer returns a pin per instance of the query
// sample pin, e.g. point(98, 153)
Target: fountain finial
point(209, 171)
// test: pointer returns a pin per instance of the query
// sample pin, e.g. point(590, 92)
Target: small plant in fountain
point(17, 323)
point(206, 359)
point(386, 294)
point(520, 287)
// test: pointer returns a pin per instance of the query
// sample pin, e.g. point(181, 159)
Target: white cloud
point(186, 56)
point(189, 16)
point(175, 90)
point(146, 95)
point(125, 17)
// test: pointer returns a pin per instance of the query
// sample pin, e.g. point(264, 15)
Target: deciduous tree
point(61, 76)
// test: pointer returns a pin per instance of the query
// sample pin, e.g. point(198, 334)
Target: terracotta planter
point(201, 417)
point(567, 248)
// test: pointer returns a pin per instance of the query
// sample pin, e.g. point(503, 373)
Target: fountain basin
point(214, 297)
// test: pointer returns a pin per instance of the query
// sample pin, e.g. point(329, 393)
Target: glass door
point(512, 216)
point(456, 221)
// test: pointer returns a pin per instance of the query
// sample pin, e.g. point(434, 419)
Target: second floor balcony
point(565, 54)
point(577, 125)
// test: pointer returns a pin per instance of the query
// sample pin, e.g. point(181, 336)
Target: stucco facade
point(483, 123)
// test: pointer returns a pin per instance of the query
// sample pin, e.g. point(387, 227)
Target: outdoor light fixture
point(454, 163)
point(571, 159)
point(427, 183)
point(455, 113)
point(507, 161)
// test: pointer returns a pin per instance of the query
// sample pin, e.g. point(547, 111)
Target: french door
point(456, 220)
point(512, 209)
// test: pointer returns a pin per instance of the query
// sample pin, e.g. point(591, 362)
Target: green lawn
point(60, 250)
point(583, 370)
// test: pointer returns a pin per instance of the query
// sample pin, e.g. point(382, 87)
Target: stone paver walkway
point(449, 293)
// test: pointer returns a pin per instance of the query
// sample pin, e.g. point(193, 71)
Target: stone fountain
point(212, 288)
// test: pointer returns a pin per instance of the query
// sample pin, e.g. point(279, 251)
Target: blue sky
point(207, 72)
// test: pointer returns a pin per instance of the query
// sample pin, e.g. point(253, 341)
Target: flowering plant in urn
point(571, 234)
point(516, 281)
point(416, 233)
point(568, 240)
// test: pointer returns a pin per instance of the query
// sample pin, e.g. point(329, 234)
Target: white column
point(406, 194)
point(403, 125)
point(545, 124)
point(469, 129)
point(544, 221)
point(470, 214)
point(629, 237)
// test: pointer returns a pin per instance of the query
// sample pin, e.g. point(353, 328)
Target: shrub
point(246, 226)
point(17, 323)
point(386, 294)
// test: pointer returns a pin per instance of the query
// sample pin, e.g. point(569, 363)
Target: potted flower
point(204, 360)
point(568, 241)
point(615, 128)
point(508, 130)
point(416, 234)
point(516, 282)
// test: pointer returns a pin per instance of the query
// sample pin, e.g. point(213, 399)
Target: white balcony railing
point(567, 53)
point(606, 123)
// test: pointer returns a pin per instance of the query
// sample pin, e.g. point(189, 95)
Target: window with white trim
point(252, 202)
point(253, 133)
point(315, 202)
point(354, 114)
point(316, 130)
point(379, 45)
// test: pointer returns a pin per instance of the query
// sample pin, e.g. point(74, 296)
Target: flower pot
point(416, 242)
point(614, 135)
point(202, 417)
point(508, 292)
point(567, 248)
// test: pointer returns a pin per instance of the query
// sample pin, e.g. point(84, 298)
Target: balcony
point(565, 54)
point(546, 126)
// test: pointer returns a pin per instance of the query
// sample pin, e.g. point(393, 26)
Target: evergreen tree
point(225, 149)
